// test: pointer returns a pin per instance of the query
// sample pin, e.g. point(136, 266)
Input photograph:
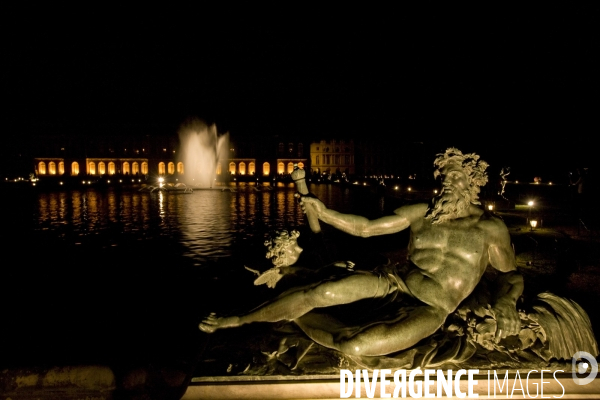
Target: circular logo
point(580, 364)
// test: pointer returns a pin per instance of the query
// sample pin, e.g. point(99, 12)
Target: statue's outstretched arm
point(357, 225)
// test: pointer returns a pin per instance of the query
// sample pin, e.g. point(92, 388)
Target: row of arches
point(102, 168)
point(52, 168)
point(169, 168)
point(92, 168)
point(110, 168)
point(242, 168)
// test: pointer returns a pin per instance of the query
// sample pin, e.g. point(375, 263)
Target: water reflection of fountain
point(201, 151)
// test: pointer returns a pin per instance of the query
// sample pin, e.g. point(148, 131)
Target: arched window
point(301, 165)
point(52, 168)
point(180, 168)
point(135, 168)
point(42, 168)
point(171, 168)
point(111, 168)
point(266, 168)
point(232, 168)
point(61, 168)
point(280, 168)
point(145, 168)
point(126, 169)
point(281, 147)
point(74, 168)
point(290, 168)
point(92, 168)
point(251, 169)
point(242, 168)
point(161, 168)
point(101, 168)
point(317, 163)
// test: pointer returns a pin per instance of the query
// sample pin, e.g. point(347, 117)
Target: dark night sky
point(518, 81)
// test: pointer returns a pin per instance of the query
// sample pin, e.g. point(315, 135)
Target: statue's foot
point(212, 323)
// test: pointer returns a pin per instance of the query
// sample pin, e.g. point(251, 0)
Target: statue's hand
point(312, 203)
point(507, 319)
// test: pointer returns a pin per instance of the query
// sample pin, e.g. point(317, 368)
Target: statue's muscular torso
point(450, 258)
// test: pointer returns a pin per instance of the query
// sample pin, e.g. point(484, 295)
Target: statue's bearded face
point(454, 197)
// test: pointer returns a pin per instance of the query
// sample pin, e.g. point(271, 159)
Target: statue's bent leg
point(289, 307)
point(329, 293)
point(380, 338)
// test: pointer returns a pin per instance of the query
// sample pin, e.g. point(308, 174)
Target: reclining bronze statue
point(453, 243)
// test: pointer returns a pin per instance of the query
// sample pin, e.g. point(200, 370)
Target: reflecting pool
point(119, 274)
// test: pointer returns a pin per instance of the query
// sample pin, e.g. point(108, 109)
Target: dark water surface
point(107, 275)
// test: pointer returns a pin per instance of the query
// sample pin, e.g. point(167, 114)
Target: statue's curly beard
point(447, 205)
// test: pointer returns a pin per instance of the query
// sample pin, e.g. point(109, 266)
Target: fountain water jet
point(201, 151)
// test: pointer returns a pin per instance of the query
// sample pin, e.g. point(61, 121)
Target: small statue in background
point(504, 172)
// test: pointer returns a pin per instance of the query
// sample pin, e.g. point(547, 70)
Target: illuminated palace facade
point(98, 156)
point(333, 157)
point(368, 157)
point(149, 156)
point(272, 157)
